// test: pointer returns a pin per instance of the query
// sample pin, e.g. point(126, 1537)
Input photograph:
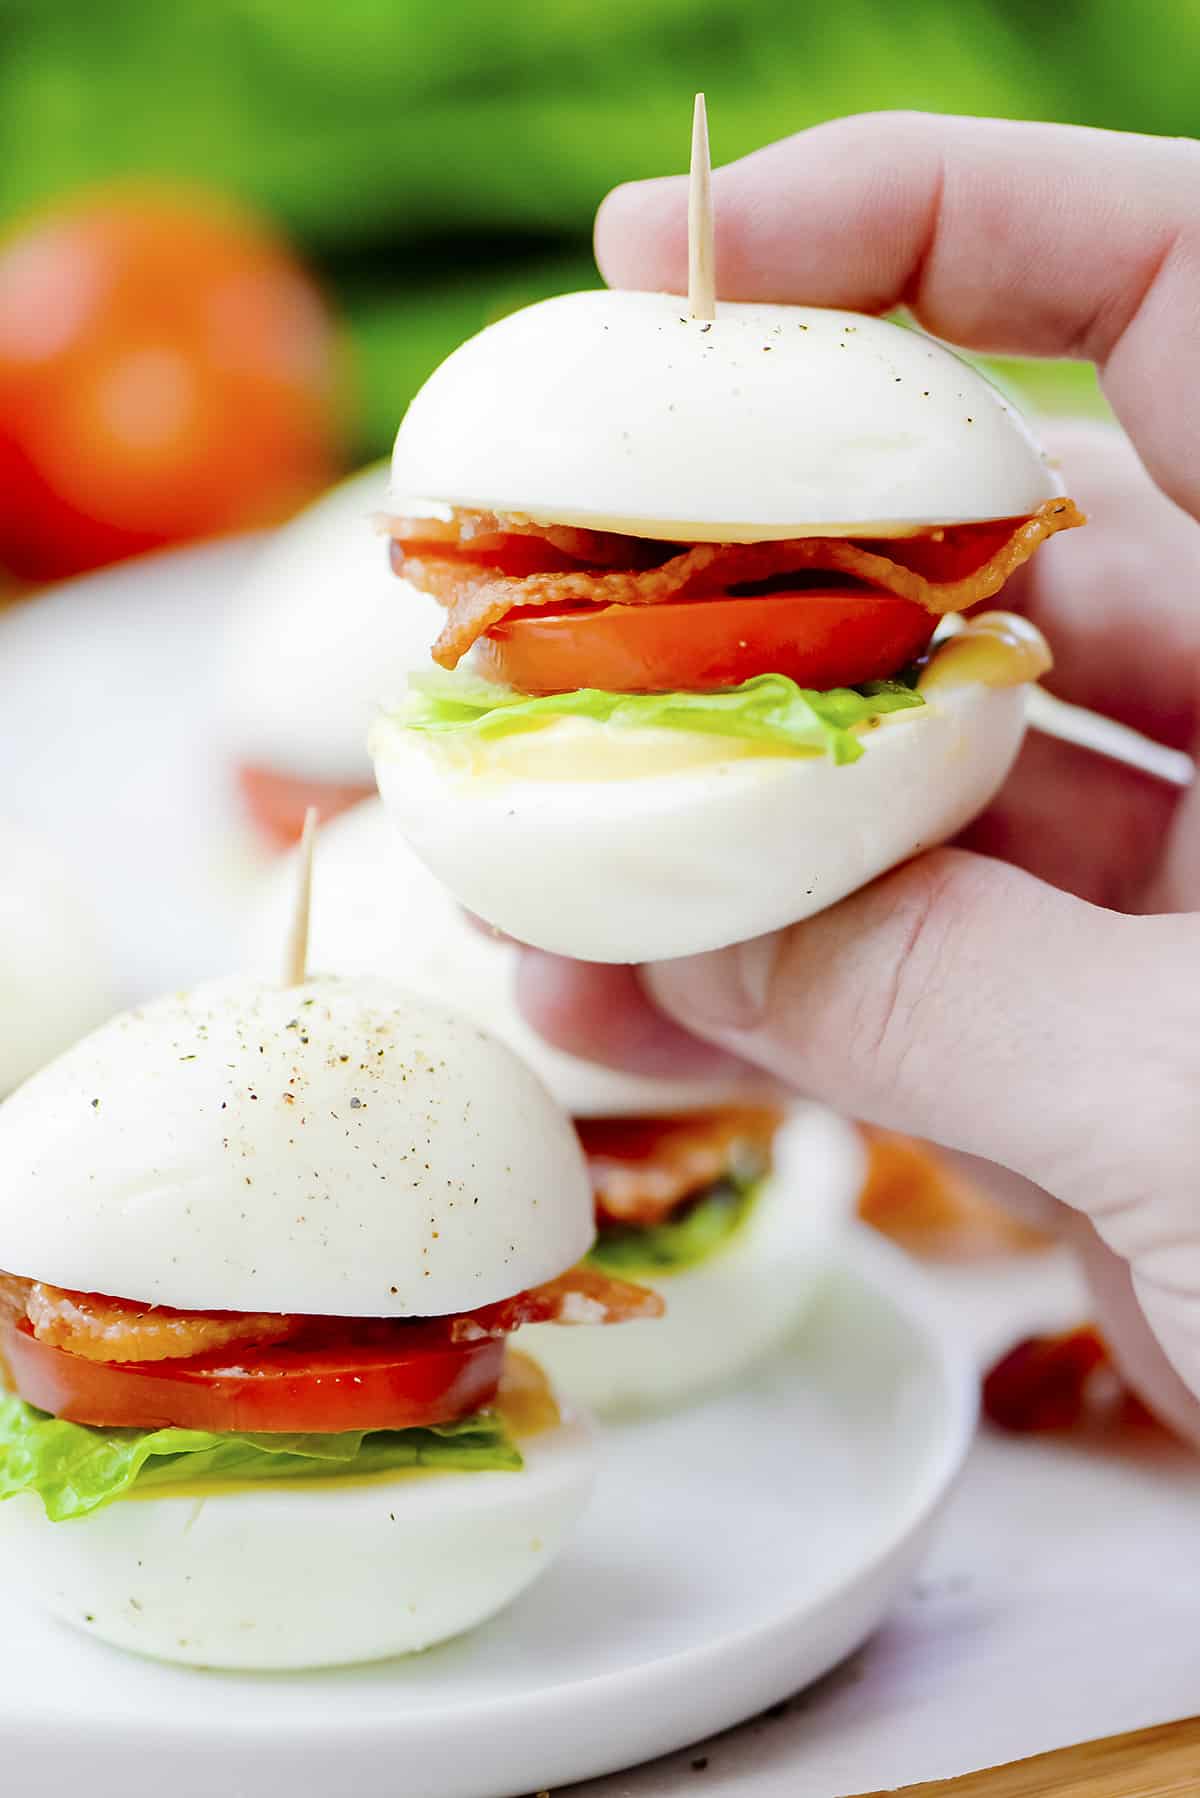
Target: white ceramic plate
point(733, 1553)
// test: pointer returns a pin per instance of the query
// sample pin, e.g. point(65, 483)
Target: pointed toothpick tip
point(295, 966)
point(702, 284)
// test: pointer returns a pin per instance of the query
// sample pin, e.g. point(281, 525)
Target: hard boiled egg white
point(345, 1148)
point(322, 633)
point(734, 1307)
point(630, 863)
point(55, 982)
point(302, 1573)
point(618, 412)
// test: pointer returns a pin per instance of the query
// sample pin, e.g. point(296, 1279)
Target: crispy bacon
point(916, 1197)
point(476, 597)
point(583, 1295)
point(468, 566)
point(103, 1329)
point(1066, 1384)
point(643, 1168)
point(122, 1331)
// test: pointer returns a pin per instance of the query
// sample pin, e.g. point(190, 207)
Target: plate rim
point(876, 1267)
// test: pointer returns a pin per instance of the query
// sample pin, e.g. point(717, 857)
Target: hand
point(1033, 996)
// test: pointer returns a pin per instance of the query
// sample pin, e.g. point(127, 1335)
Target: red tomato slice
point(835, 638)
point(277, 802)
point(395, 1377)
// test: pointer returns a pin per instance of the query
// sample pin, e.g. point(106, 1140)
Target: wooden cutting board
point(1149, 1763)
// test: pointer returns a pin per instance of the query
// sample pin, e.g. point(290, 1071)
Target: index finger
point(1034, 239)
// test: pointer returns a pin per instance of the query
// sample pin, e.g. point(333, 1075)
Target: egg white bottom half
point(301, 1573)
point(729, 1310)
point(644, 866)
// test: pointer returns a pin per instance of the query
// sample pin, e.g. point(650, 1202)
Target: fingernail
point(727, 990)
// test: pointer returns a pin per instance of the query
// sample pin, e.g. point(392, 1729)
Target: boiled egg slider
point(263, 1247)
point(55, 978)
point(315, 644)
point(692, 557)
point(724, 1197)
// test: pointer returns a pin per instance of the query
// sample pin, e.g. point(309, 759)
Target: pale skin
point(1030, 996)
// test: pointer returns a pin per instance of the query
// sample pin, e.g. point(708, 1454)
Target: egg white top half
point(341, 1147)
point(618, 412)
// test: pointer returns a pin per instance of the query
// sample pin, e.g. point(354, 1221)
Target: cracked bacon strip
point(476, 597)
point(120, 1331)
point(473, 577)
point(1067, 1383)
point(643, 1169)
point(917, 1197)
point(583, 1295)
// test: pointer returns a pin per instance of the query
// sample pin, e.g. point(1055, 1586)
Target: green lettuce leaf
point(76, 1469)
point(769, 709)
point(698, 1231)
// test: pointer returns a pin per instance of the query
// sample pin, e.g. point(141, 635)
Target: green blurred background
point(440, 162)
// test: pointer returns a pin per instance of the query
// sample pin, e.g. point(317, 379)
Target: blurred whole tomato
point(167, 370)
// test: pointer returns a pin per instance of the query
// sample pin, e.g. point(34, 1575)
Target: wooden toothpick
point(702, 289)
point(295, 965)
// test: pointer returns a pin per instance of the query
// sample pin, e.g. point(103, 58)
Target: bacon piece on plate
point(1065, 1384)
point(918, 1198)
